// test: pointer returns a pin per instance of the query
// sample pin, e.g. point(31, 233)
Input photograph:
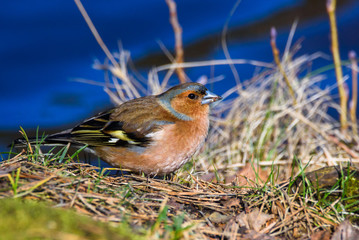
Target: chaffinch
point(153, 134)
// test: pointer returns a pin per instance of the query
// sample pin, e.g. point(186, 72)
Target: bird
point(154, 135)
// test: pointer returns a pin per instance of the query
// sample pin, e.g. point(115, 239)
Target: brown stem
point(178, 38)
point(354, 101)
point(331, 5)
point(279, 65)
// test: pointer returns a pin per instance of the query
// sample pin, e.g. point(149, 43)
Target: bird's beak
point(210, 98)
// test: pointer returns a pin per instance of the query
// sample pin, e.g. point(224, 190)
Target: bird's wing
point(130, 124)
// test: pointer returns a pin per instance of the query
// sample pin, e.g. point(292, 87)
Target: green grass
point(25, 220)
point(14, 180)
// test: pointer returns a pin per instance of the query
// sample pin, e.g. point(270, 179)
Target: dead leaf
point(232, 202)
point(217, 217)
point(321, 235)
point(346, 231)
point(176, 205)
point(253, 235)
point(254, 220)
point(209, 177)
point(230, 178)
point(250, 173)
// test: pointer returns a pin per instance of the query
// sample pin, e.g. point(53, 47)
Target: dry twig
point(331, 6)
point(354, 101)
point(178, 38)
point(279, 65)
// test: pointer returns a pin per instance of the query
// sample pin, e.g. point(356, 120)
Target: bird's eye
point(192, 96)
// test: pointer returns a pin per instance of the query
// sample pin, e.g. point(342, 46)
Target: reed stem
point(331, 6)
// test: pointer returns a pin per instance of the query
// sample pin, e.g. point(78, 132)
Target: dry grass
point(260, 124)
point(263, 124)
point(167, 208)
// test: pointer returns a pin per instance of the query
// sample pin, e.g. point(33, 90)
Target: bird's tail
point(56, 139)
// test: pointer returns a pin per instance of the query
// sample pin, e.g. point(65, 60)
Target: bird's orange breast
point(172, 147)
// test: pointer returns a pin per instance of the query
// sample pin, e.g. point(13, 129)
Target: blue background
point(46, 45)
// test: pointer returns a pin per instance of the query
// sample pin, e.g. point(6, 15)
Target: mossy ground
point(29, 219)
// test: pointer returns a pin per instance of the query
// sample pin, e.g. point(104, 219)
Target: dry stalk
point(331, 6)
point(178, 39)
point(279, 65)
point(95, 32)
point(354, 101)
point(225, 47)
point(268, 126)
point(117, 69)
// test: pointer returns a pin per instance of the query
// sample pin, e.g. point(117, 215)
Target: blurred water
point(44, 46)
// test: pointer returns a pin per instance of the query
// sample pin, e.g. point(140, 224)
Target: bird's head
point(188, 101)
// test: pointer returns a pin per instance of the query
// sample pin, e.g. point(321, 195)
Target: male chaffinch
point(153, 134)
